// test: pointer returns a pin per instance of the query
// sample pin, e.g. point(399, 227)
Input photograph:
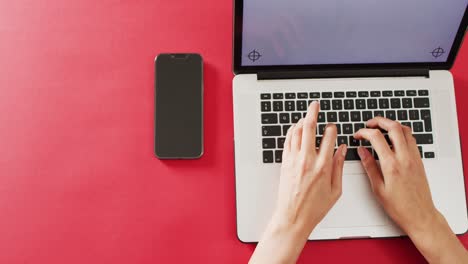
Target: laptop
point(359, 59)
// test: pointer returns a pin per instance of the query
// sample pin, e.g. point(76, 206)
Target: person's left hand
point(311, 179)
point(310, 184)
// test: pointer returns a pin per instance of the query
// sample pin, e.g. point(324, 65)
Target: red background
point(79, 182)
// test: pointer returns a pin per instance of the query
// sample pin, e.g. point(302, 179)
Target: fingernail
point(362, 153)
point(344, 149)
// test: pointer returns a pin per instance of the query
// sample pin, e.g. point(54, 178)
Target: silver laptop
point(360, 59)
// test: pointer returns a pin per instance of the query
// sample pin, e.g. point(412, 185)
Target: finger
point(395, 131)
point(338, 163)
point(297, 136)
point(310, 128)
point(377, 140)
point(412, 146)
point(328, 142)
point(287, 141)
point(373, 171)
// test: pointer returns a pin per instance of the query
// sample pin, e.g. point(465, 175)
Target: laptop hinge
point(320, 74)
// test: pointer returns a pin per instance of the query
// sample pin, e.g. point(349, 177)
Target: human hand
point(311, 179)
point(400, 183)
point(401, 186)
point(310, 184)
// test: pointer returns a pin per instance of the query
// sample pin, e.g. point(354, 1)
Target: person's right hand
point(400, 182)
point(401, 186)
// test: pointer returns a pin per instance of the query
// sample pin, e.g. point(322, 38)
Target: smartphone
point(179, 106)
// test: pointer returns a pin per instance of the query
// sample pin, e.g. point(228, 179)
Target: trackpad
point(357, 207)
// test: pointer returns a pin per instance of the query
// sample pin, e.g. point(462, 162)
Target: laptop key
point(277, 106)
point(321, 129)
point(360, 104)
point(421, 102)
point(265, 96)
point(337, 104)
point(426, 117)
point(387, 93)
point(343, 116)
point(290, 96)
point(281, 142)
point(349, 104)
point(402, 115)
point(352, 154)
point(372, 103)
point(324, 105)
point(339, 94)
point(351, 94)
point(289, 106)
point(400, 93)
point(269, 118)
point(375, 94)
point(358, 126)
point(284, 118)
point(321, 117)
point(363, 94)
point(418, 127)
point(269, 143)
point(379, 113)
point(395, 103)
point(342, 140)
point(407, 103)
point(353, 142)
point(429, 155)
point(347, 129)
point(367, 115)
point(318, 141)
point(390, 114)
point(356, 116)
point(424, 139)
point(268, 156)
point(338, 129)
point(366, 143)
point(271, 131)
point(278, 156)
point(302, 96)
point(327, 95)
point(420, 151)
point(408, 124)
point(301, 105)
point(414, 114)
point(384, 104)
point(278, 96)
point(265, 106)
point(411, 93)
point(295, 117)
point(285, 129)
point(423, 92)
point(314, 95)
point(332, 117)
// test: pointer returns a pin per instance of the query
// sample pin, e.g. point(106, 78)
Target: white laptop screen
point(321, 32)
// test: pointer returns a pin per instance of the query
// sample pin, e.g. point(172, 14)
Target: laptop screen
point(325, 32)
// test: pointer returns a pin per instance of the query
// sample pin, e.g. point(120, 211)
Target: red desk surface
point(79, 182)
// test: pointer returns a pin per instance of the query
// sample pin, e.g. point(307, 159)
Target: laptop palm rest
point(357, 206)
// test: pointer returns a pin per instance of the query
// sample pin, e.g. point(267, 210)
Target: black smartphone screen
point(179, 106)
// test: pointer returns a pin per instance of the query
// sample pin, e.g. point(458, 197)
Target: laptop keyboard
point(349, 111)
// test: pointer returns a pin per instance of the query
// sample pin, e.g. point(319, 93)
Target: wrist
point(437, 242)
point(292, 227)
point(281, 243)
point(431, 224)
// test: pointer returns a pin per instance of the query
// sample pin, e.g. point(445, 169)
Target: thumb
point(373, 171)
point(338, 163)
